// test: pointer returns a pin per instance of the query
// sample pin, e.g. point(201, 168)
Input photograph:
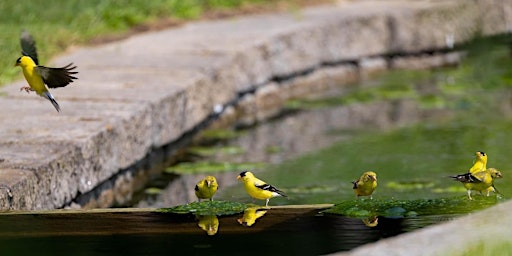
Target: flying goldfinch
point(482, 181)
point(37, 76)
point(208, 223)
point(365, 185)
point(257, 188)
point(251, 214)
point(480, 162)
point(206, 188)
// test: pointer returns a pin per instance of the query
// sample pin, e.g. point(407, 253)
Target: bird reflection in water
point(251, 214)
point(208, 223)
point(371, 221)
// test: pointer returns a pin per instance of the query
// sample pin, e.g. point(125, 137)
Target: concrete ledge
point(458, 236)
point(148, 90)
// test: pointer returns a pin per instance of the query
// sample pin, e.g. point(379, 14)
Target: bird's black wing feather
point(28, 46)
point(467, 178)
point(270, 188)
point(57, 77)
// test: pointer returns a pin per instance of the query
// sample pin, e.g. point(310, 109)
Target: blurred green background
point(59, 24)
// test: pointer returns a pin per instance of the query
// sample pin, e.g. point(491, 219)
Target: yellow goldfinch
point(251, 214)
point(482, 181)
point(480, 163)
point(365, 185)
point(208, 223)
point(37, 76)
point(257, 188)
point(206, 188)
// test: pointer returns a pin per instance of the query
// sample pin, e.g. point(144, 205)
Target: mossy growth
point(210, 167)
point(212, 151)
point(404, 208)
point(218, 208)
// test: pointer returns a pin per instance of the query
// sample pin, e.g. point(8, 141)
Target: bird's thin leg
point(266, 203)
point(28, 89)
point(469, 194)
point(371, 197)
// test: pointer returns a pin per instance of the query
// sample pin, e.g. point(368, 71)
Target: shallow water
point(414, 128)
point(278, 232)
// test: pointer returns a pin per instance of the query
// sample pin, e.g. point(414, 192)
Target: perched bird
point(208, 223)
point(257, 188)
point(251, 214)
point(206, 188)
point(365, 185)
point(482, 181)
point(37, 76)
point(480, 162)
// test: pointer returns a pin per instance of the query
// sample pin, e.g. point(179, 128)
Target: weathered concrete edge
point(51, 193)
point(457, 236)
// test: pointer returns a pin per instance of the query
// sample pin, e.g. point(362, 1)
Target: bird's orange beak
point(372, 177)
point(239, 177)
point(208, 183)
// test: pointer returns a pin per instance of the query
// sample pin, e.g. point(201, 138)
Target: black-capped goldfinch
point(365, 185)
point(480, 162)
point(206, 188)
point(208, 223)
point(251, 214)
point(37, 76)
point(482, 181)
point(257, 188)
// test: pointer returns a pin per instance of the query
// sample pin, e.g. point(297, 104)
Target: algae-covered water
point(413, 128)
point(424, 127)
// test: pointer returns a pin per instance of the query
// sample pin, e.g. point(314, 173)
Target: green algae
point(203, 208)
point(210, 167)
point(219, 134)
point(394, 208)
point(205, 151)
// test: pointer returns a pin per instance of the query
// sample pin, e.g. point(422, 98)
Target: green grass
point(58, 24)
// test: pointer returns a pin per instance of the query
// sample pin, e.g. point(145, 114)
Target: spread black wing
point(57, 77)
point(28, 46)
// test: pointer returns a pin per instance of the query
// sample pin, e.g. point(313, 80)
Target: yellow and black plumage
point(40, 78)
point(365, 185)
point(482, 181)
point(480, 162)
point(257, 188)
point(206, 188)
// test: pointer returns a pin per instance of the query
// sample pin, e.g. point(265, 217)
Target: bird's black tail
point(49, 96)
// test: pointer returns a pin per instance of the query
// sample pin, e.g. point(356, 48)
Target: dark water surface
point(149, 233)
